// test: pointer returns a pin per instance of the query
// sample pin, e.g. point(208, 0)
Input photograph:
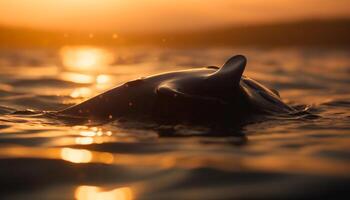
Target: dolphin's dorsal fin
point(230, 73)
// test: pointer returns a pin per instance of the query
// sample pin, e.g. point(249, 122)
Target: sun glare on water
point(96, 193)
point(76, 155)
point(86, 65)
point(85, 59)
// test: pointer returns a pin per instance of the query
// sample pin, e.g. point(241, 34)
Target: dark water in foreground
point(46, 158)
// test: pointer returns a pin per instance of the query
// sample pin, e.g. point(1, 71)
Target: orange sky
point(136, 15)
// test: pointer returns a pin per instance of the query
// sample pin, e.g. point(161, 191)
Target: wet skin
point(203, 95)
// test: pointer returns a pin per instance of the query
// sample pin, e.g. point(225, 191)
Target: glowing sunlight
point(82, 92)
point(77, 78)
point(76, 155)
point(96, 193)
point(85, 59)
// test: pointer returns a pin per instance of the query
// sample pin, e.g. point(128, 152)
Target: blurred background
point(174, 23)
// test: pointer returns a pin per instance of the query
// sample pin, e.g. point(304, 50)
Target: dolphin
point(204, 95)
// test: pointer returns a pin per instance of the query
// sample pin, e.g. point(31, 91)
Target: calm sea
point(48, 158)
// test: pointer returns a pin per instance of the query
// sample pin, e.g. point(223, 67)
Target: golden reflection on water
point(76, 155)
point(85, 59)
point(85, 156)
point(84, 140)
point(276, 163)
point(96, 193)
point(83, 65)
point(87, 133)
point(77, 77)
point(93, 131)
point(102, 79)
point(82, 92)
point(91, 135)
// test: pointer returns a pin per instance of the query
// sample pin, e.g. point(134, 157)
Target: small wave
point(52, 82)
point(6, 110)
point(302, 112)
point(337, 103)
point(36, 102)
point(305, 112)
point(26, 112)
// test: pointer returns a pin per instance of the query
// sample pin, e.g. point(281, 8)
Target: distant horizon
point(313, 32)
point(159, 15)
point(209, 28)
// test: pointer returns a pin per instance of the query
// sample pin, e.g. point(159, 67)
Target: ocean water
point(43, 157)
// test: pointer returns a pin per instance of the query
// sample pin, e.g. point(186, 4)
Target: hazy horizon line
point(207, 28)
point(311, 32)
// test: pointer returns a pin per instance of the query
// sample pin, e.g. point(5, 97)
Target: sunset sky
point(147, 15)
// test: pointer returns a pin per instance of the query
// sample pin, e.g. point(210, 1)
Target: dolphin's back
point(201, 94)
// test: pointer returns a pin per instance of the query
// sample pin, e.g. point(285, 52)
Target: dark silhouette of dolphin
point(209, 94)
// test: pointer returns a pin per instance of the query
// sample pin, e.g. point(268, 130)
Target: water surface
point(46, 158)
